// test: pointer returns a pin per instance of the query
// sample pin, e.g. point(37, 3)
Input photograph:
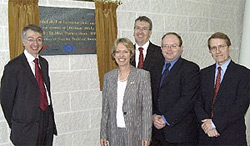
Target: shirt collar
point(225, 65)
point(171, 62)
point(29, 57)
point(145, 46)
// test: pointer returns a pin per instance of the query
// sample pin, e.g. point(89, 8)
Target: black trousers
point(158, 139)
point(46, 126)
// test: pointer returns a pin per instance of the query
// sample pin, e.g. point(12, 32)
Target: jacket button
point(125, 113)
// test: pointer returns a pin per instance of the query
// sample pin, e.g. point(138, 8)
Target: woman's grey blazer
point(137, 107)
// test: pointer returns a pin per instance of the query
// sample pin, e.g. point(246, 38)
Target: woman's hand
point(145, 143)
point(104, 142)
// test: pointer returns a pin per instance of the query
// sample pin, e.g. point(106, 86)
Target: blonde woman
point(127, 101)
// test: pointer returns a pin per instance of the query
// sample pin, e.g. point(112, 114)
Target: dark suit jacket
point(20, 102)
point(153, 56)
point(177, 98)
point(230, 106)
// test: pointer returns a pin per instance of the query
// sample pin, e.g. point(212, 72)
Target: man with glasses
point(25, 93)
point(224, 97)
point(175, 83)
point(146, 53)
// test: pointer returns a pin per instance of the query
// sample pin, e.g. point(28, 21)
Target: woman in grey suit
point(127, 101)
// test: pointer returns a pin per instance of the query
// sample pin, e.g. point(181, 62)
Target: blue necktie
point(165, 73)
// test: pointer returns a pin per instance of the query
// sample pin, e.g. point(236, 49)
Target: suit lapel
point(209, 80)
point(149, 55)
point(133, 59)
point(44, 70)
point(158, 73)
point(227, 79)
point(113, 79)
point(132, 78)
point(174, 70)
point(28, 71)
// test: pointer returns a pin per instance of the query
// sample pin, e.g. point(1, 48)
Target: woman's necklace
point(122, 77)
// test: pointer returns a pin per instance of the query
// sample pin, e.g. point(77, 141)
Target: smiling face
point(171, 48)
point(122, 55)
point(142, 32)
point(219, 50)
point(33, 42)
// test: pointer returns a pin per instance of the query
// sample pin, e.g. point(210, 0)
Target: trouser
point(46, 126)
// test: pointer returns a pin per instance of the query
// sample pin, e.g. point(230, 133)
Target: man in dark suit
point(26, 104)
point(175, 84)
point(224, 97)
point(151, 53)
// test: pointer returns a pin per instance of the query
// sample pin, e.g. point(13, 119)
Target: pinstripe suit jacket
point(137, 107)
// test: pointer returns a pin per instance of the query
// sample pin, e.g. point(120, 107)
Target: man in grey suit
point(175, 84)
point(25, 93)
point(224, 97)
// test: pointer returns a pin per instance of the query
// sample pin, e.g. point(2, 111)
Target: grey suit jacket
point(137, 107)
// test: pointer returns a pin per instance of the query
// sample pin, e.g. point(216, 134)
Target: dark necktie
point(140, 63)
point(39, 79)
point(216, 89)
point(165, 73)
point(163, 80)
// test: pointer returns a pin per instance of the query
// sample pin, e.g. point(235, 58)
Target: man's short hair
point(32, 27)
point(219, 35)
point(145, 19)
point(173, 33)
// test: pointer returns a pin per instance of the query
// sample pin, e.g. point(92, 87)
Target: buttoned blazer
point(230, 106)
point(176, 99)
point(20, 99)
point(137, 107)
point(153, 57)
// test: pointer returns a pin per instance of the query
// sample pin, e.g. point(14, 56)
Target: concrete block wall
point(194, 20)
point(74, 78)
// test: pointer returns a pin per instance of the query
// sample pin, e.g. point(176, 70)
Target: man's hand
point(213, 133)
point(208, 128)
point(158, 122)
point(206, 125)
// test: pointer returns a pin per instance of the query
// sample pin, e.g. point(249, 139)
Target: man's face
point(33, 42)
point(141, 32)
point(219, 50)
point(171, 48)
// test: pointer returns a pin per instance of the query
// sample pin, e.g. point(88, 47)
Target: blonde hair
point(127, 43)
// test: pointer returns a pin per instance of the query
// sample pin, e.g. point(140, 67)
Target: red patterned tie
point(140, 63)
point(216, 89)
point(39, 79)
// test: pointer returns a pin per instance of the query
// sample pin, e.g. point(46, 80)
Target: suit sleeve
point(189, 90)
point(199, 108)
point(8, 90)
point(105, 110)
point(145, 90)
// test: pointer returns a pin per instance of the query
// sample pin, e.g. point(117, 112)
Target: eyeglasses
point(32, 40)
point(220, 47)
point(173, 46)
point(137, 28)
